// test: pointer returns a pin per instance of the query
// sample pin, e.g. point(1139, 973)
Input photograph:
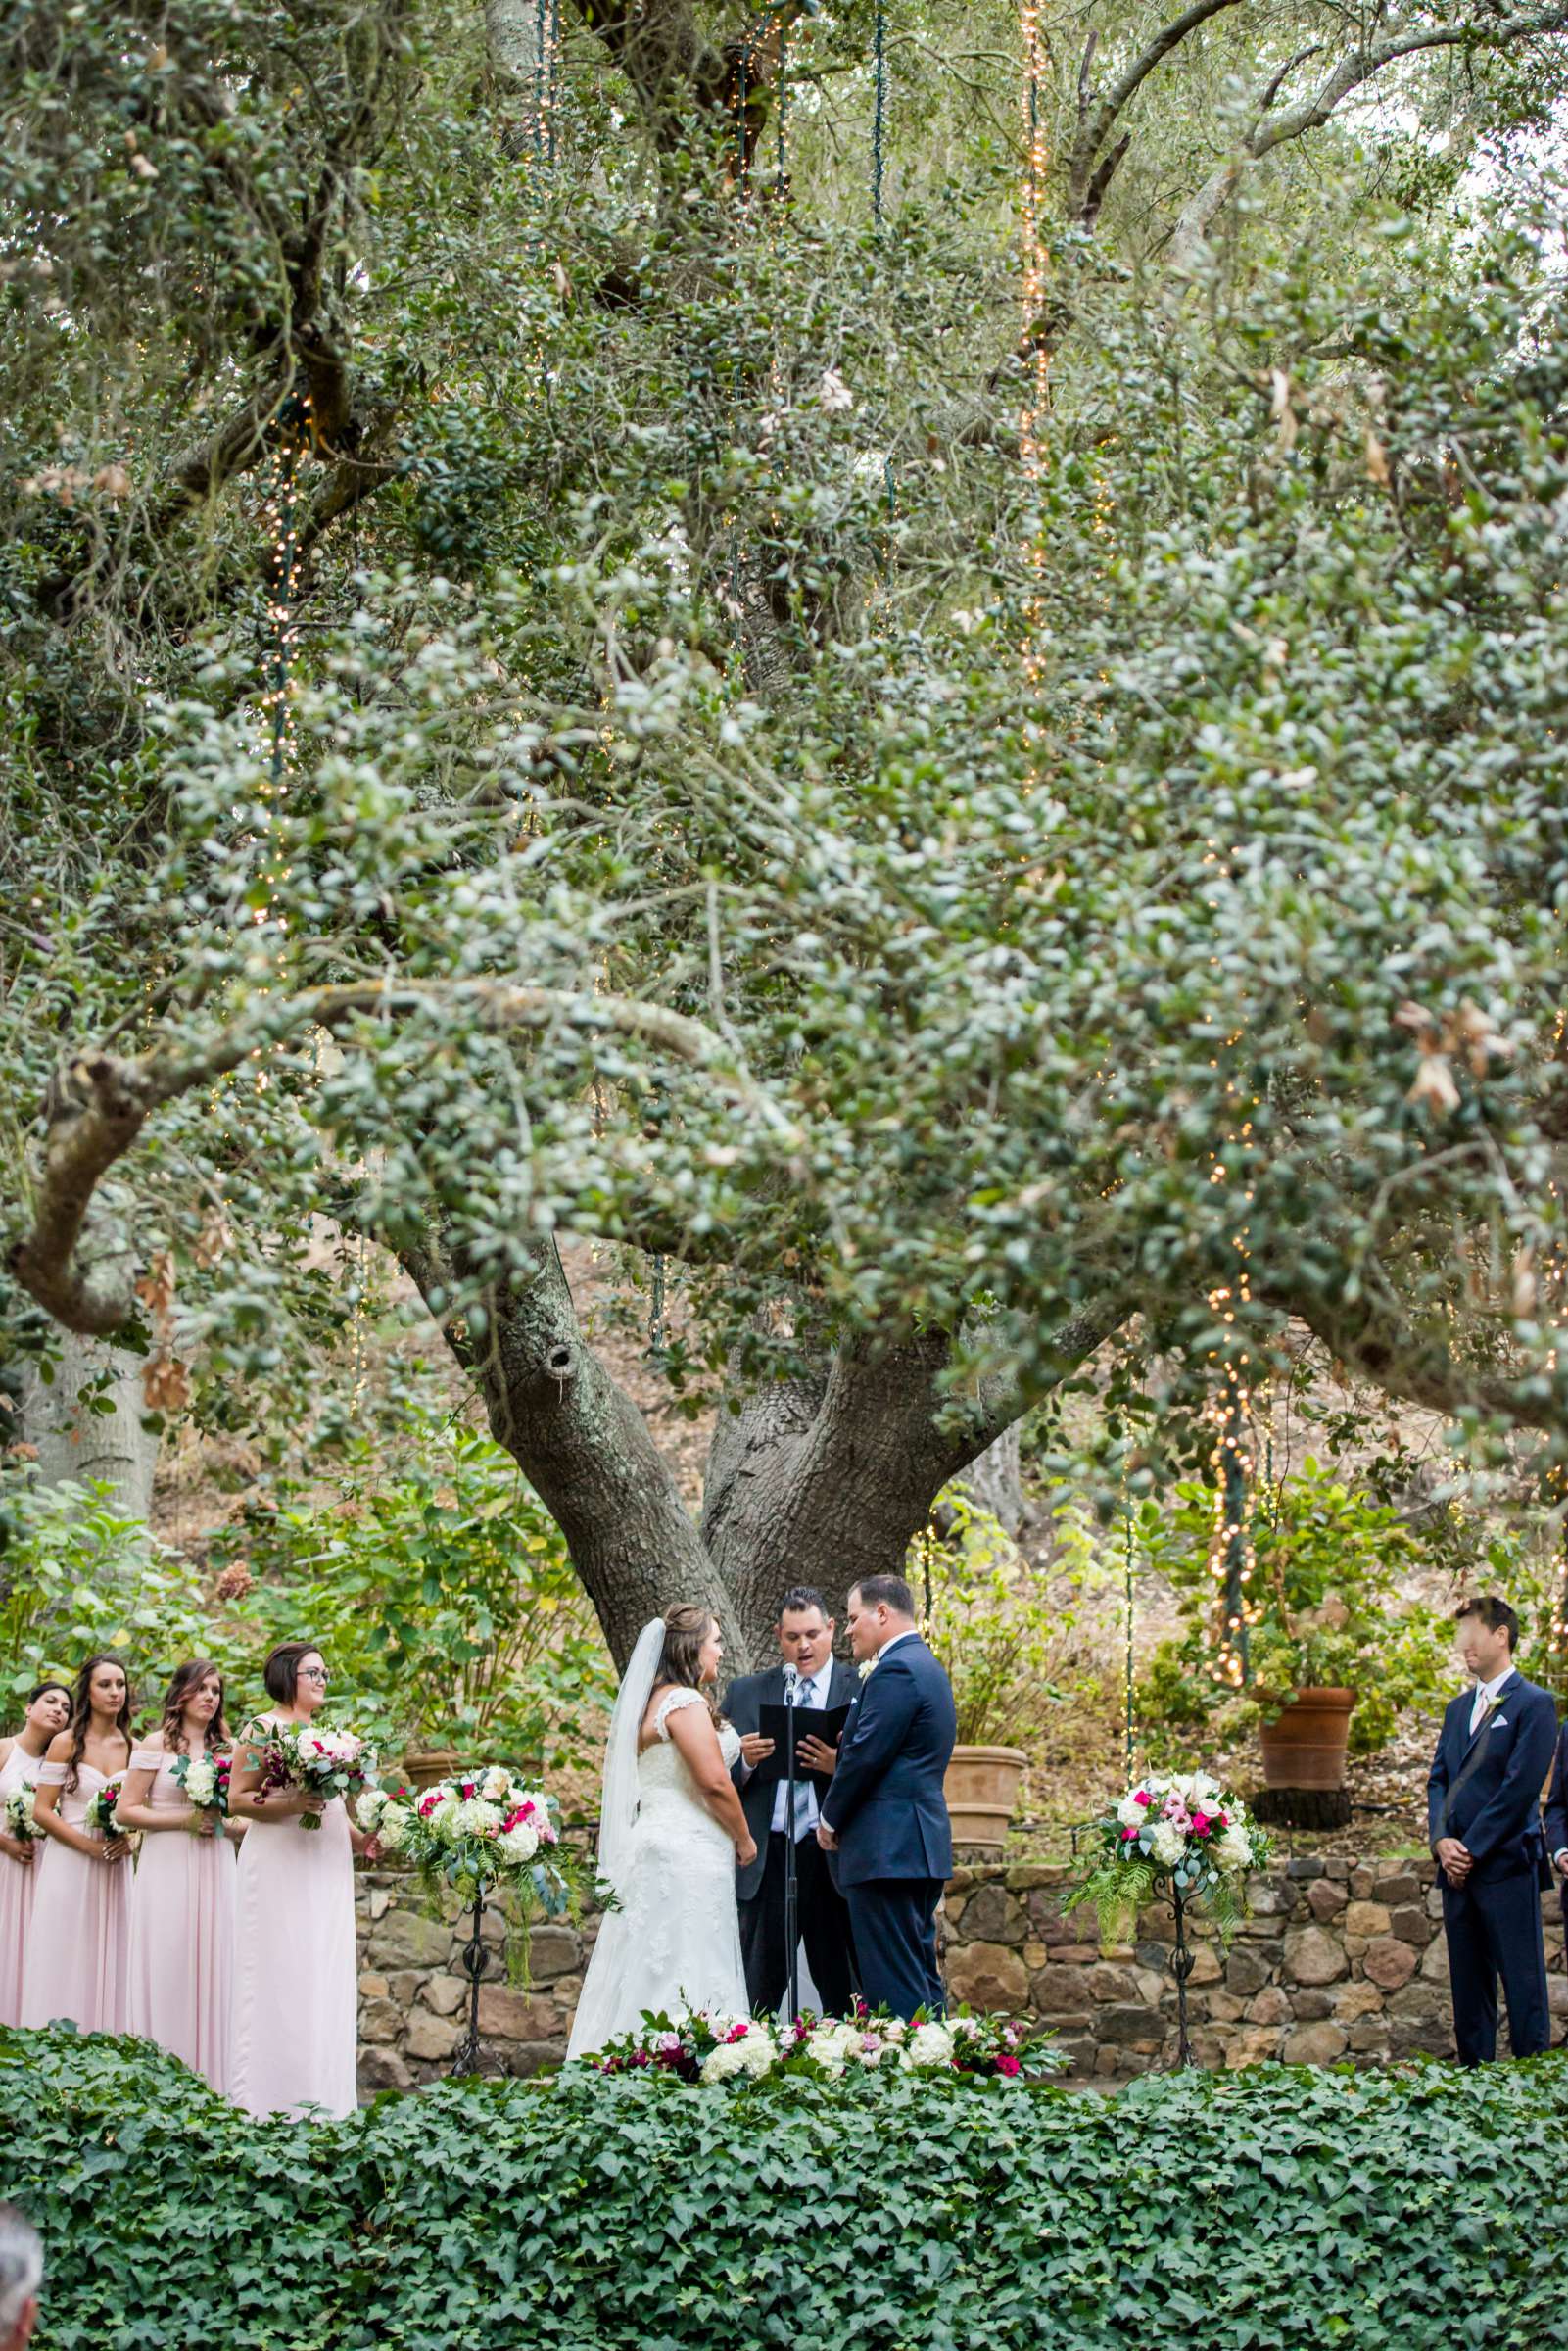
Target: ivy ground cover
point(1407, 2209)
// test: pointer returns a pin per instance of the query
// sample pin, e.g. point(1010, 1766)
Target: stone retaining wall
point(1335, 1961)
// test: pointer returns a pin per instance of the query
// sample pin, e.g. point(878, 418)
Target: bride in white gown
point(671, 1833)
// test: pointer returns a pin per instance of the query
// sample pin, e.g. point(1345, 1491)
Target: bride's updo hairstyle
point(687, 1627)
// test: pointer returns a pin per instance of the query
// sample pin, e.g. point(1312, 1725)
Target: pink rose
point(1200, 1824)
point(1142, 1796)
point(1130, 1836)
point(1008, 2064)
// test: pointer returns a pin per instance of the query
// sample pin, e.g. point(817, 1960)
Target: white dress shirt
point(1485, 1693)
point(812, 1693)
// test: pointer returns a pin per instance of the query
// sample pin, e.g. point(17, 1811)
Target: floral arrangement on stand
point(19, 1818)
point(324, 1763)
point(707, 2048)
point(203, 1781)
point(1184, 1839)
point(486, 1836)
point(99, 1817)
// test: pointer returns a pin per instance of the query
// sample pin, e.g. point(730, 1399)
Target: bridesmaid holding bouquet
point(21, 1759)
point(79, 1937)
point(182, 1920)
point(296, 1969)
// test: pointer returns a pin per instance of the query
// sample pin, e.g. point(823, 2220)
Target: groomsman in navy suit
point(1483, 1826)
point(885, 1816)
point(1557, 1824)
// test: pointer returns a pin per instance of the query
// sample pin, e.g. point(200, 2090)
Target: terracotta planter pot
point(423, 1766)
point(1304, 1745)
point(982, 1789)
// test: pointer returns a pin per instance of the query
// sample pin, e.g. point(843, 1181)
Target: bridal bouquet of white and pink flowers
point(203, 1781)
point(19, 1816)
point(324, 1763)
point(99, 1817)
point(1185, 1836)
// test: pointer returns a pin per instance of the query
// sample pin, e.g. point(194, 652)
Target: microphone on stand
point(791, 1682)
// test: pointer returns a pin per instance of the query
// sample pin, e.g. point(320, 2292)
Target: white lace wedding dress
point(675, 1941)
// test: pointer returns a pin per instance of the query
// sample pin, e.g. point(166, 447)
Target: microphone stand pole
point(791, 1879)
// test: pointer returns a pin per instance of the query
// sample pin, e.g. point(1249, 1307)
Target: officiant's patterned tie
point(805, 1697)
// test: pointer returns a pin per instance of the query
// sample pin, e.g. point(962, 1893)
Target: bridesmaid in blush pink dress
point(21, 1761)
point(296, 1970)
point(79, 1935)
point(182, 1920)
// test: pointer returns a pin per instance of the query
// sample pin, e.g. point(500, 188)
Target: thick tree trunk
point(585, 1446)
point(81, 1446)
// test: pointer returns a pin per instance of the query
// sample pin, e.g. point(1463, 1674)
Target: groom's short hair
point(803, 1596)
point(885, 1592)
point(1494, 1613)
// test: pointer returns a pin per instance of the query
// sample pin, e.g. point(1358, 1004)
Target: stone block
point(1314, 2044)
point(1414, 2036)
point(1063, 1991)
point(992, 1915)
point(1270, 1897)
point(1338, 1868)
point(380, 2022)
point(446, 1995)
point(1108, 1981)
point(1312, 2005)
point(402, 1984)
point(1370, 2036)
point(1366, 1918)
point(407, 1938)
point(383, 2069)
point(537, 2057)
point(1435, 1960)
point(1412, 1924)
point(1352, 2000)
point(1106, 2061)
point(428, 2036)
point(1270, 2007)
point(1208, 2048)
point(380, 1902)
point(1245, 1969)
point(1035, 1954)
point(1303, 1865)
point(1079, 2054)
point(509, 2015)
point(1389, 1962)
point(1422, 2002)
point(1312, 1956)
point(373, 1987)
point(1224, 2007)
point(1128, 2027)
point(987, 1976)
point(554, 1952)
point(1326, 1898)
point(1206, 1967)
point(1396, 1888)
point(1027, 1877)
point(1250, 2044)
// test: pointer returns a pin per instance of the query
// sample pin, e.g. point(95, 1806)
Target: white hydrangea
point(200, 1780)
point(1130, 1813)
point(473, 1817)
point(497, 1784)
point(752, 2055)
point(392, 1828)
point(1232, 1851)
point(833, 2045)
point(520, 1844)
point(930, 2046)
point(1168, 1843)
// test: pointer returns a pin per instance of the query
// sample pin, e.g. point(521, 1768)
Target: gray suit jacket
point(743, 1702)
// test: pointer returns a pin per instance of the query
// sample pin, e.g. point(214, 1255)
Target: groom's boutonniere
point(867, 1668)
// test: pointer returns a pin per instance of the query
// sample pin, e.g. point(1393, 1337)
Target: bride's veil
point(618, 1806)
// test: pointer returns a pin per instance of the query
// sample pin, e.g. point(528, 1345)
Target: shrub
point(1398, 2211)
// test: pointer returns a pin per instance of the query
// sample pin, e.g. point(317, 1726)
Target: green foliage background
point(1403, 2211)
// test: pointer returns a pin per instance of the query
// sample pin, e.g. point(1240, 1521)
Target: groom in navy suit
point(885, 1816)
point(1483, 1826)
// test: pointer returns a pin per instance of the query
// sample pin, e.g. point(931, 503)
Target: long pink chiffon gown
point(78, 1940)
point(295, 1973)
point(182, 1933)
point(17, 1880)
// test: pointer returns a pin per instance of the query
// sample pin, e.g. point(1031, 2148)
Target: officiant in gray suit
point(805, 1643)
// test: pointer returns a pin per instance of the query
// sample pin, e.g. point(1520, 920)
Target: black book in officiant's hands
point(825, 1723)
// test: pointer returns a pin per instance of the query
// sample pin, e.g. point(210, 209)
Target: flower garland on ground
point(486, 1836)
point(708, 2048)
point(1184, 1836)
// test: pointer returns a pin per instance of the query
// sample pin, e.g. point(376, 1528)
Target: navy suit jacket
point(1498, 1813)
point(1557, 1799)
point(885, 1806)
point(743, 1702)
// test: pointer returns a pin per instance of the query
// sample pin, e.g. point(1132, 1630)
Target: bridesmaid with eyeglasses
point(182, 1920)
point(20, 1761)
point(79, 1942)
point(296, 1969)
